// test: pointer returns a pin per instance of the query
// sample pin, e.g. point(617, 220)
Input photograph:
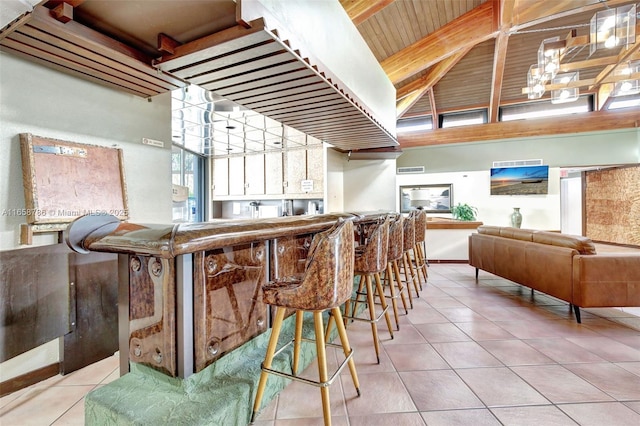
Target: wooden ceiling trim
point(276, 94)
point(528, 13)
point(71, 71)
point(630, 53)
point(298, 97)
point(230, 83)
point(62, 48)
point(499, 60)
point(435, 120)
point(278, 82)
point(405, 104)
point(337, 108)
point(574, 123)
point(215, 63)
point(215, 44)
point(361, 10)
point(412, 92)
point(469, 29)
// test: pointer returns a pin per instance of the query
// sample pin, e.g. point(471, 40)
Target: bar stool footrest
point(303, 379)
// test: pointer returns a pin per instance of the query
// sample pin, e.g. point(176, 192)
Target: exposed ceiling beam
point(361, 10)
point(499, 59)
point(528, 13)
point(435, 120)
point(473, 27)
point(574, 123)
point(409, 94)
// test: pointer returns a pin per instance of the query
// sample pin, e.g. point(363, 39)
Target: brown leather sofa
point(560, 265)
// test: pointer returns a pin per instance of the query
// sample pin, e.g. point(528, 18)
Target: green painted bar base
point(221, 394)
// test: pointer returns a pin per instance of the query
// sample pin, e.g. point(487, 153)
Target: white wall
point(369, 185)
point(37, 100)
point(473, 188)
point(334, 187)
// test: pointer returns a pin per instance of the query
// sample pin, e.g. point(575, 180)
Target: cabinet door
point(273, 173)
point(236, 175)
point(315, 167)
point(220, 176)
point(296, 170)
point(254, 174)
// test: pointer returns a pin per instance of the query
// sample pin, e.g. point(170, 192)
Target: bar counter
point(191, 293)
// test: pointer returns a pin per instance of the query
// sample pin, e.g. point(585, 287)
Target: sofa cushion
point(582, 244)
point(489, 230)
point(517, 233)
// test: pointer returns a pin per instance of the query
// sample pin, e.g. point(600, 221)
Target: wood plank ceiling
point(459, 55)
point(442, 55)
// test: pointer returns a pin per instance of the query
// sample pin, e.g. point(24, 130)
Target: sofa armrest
point(606, 280)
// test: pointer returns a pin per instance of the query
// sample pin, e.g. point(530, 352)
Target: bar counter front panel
point(193, 291)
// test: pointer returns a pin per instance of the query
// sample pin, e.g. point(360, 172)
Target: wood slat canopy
point(256, 69)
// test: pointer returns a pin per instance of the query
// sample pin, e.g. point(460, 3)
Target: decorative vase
point(516, 218)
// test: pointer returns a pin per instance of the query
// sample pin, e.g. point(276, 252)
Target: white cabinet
point(254, 176)
point(273, 173)
point(236, 176)
point(220, 177)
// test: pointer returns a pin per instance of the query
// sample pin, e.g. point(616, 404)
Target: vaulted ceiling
point(458, 55)
point(441, 55)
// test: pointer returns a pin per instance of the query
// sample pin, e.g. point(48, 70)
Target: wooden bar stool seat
point(408, 244)
point(325, 285)
point(392, 274)
point(419, 249)
point(371, 260)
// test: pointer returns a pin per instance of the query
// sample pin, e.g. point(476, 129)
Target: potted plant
point(464, 212)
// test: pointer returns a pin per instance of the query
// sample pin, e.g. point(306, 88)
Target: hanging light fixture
point(549, 57)
point(612, 28)
point(568, 93)
point(629, 86)
point(535, 83)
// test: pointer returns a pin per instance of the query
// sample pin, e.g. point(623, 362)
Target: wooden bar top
point(447, 223)
point(168, 241)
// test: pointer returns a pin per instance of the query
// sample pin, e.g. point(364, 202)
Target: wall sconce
point(612, 28)
point(565, 94)
point(627, 87)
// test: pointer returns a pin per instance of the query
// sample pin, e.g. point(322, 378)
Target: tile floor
point(485, 353)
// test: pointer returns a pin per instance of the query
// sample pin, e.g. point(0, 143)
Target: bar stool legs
point(324, 381)
point(365, 288)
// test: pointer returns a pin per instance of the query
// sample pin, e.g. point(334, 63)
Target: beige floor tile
point(465, 355)
point(608, 348)
point(42, 405)
point(515, 352)
point(533, 416)
point(415, 357)
point(563, 351)
point(500, 387)
point(439, 390)
point(445, 332)
point(560, 385)
point(615, 381)
point(604, 413)
point(476, 417)
point(385, 419)
point(381, 393)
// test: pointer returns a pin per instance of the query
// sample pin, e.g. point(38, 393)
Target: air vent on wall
point(515, 163)
point(407, 170)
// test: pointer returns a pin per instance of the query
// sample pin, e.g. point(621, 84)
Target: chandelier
point(611, 32)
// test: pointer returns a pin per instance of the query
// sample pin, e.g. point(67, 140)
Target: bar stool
point(419, 248)
point(408, 244)
point(392, 273)
point(325, 285)
point(370, 260)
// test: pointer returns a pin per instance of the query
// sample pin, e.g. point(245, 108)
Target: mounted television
point(523, 180)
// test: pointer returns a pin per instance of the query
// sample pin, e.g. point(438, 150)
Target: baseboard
point(447, 261)
point(28, 379)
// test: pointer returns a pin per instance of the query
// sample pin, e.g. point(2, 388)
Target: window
point(188, 170)
point(463, 118)
point(625, 102)
point(545, 109)
point(415, 124)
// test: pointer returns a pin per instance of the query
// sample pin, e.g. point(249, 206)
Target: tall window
point(188, 170)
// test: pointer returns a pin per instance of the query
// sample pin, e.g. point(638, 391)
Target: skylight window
point(544, 109)
point(417, 124)
point(466, 118)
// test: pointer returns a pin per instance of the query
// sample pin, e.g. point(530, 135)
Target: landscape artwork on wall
point(524, 180)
